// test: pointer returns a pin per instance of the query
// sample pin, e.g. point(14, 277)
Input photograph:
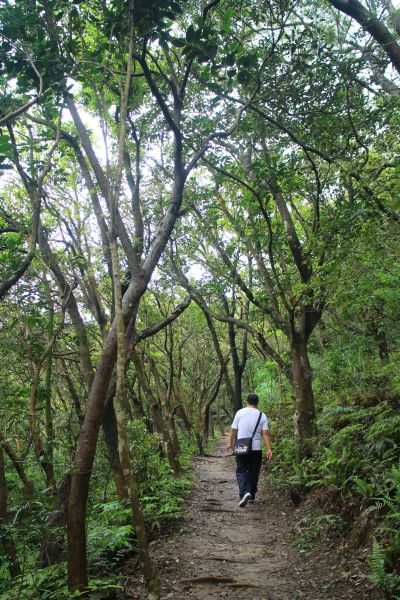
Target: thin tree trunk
point(53, 544)
point(86, 448)
point(49, 444)
point(6, 539)
point(169, 433)
point(304, 415)
point(180, 411)
point(110, 431)
point(155, 411)
point(207, 408)
point(37, 442)
point(72, 392)
point(237, 371)
point(220, 422)
point(199, 441)
point(222, 361)
point(17, 463)
point(122, 411)
point(122, 416)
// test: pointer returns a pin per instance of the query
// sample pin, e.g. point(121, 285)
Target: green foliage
point(355, 462)
point(161, 492)
point(49, 584)
point(110, 535)
point(308, 529)
point(385, 552)
point(44, 583)
point(316, 141)
point(356, 386)
point(163, 495)
point(387, 582)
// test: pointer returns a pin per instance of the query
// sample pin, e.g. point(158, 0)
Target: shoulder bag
point(244, 445)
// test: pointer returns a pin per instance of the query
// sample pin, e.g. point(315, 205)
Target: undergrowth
point(356, 462)
point(110, 534)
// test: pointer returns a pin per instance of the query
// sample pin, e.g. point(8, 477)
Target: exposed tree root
point(214, 579)
point(215, 509)
point(209, 579)
point(216, 455)
point(207, 456)
point(225, 559)
point(243, 585)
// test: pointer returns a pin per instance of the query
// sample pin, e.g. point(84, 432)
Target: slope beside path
point(223, 551)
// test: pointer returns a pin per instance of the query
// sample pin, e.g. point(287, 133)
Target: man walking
point(248, 465)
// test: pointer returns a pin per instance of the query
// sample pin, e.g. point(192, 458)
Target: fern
point(347, 434)
point(384, 572)
point(363, 488)
point(377, 564)
point(387, 427)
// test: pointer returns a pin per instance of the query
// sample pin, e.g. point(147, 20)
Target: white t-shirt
point(245, 420)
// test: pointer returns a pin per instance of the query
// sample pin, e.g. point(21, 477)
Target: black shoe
point(245, 499)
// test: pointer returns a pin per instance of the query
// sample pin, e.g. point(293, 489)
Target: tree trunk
point(122, 410)
point(82, 469)
point(376, 28)
point(110, 432)
point(17, 463)
point(72, 391)
point(168, 427)
point(6, 540)
point(182, 414)
point(49, 446)
point(156, 413)
point(122, 416)
point(304, 415)
point(237, 367)
point(53, 544)
point(86, 448)
point(40, 454)
point(220, 422)
point(207, 408)
point(199, 441)
point(224, 364)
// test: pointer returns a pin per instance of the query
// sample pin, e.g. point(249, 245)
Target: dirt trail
point(248, 551)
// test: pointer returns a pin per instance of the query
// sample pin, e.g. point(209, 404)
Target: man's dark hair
point(252, 399)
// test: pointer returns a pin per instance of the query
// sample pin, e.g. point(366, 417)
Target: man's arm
point(232, 439)
point(267, 440)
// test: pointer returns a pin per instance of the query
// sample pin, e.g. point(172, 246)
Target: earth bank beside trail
point(222, 551)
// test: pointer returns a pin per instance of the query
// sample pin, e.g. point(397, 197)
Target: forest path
point(247, 553)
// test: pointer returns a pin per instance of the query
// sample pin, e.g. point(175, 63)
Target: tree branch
point(7, 118)
point(376, 28)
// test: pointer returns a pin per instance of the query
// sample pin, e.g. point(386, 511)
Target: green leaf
point(191, 35)
point(228, 14)
point(243, 77)
point(211, 50)
point(6, 148)
point(248, 60)
point(176, 8)
point(178, 42)
point(229, 59)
